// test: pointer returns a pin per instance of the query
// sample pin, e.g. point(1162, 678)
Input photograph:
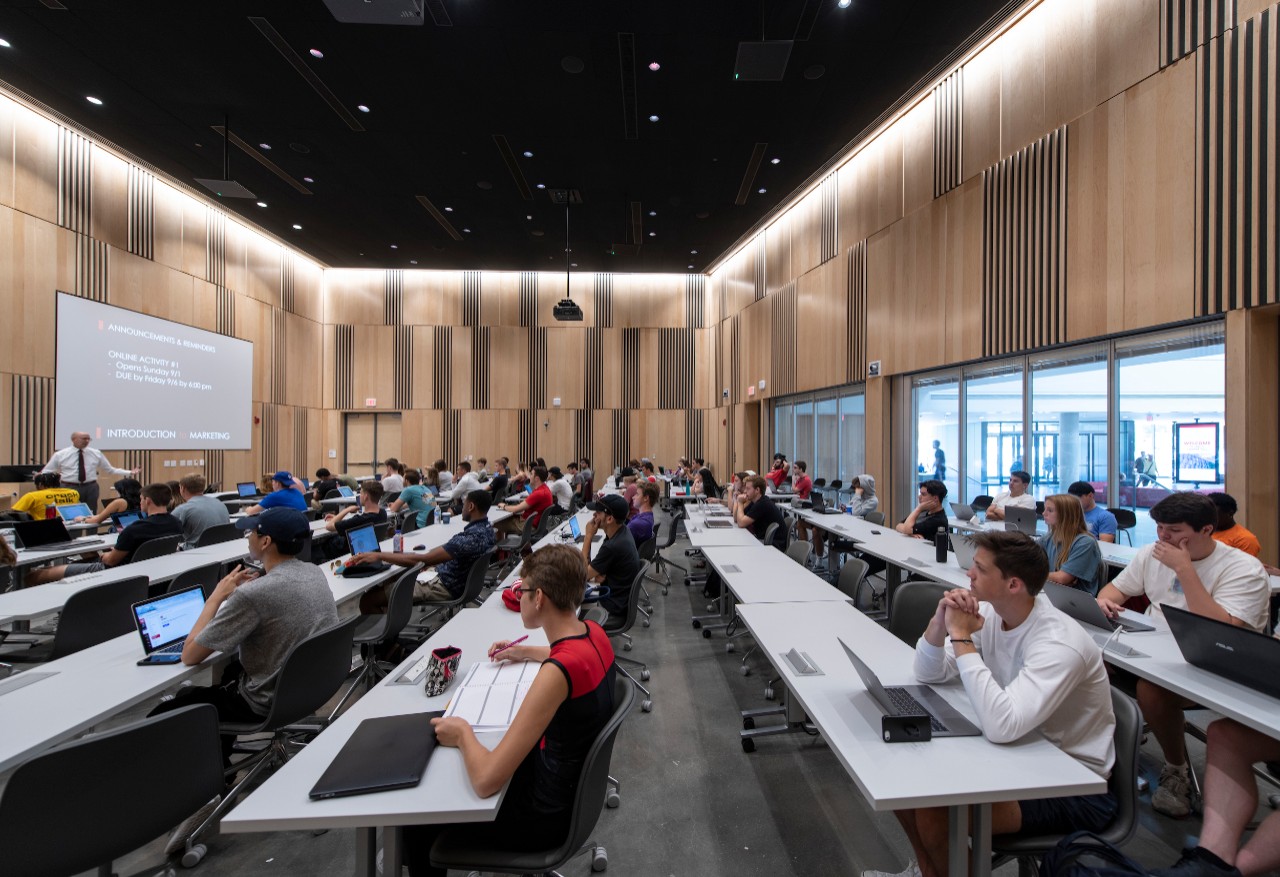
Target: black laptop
point(49, 534)
point(1227, 650)
point(389, 752)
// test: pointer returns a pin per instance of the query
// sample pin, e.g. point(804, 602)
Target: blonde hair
point(1070, 523)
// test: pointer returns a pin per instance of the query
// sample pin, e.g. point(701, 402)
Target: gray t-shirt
point(199, 514)
point(267, 617)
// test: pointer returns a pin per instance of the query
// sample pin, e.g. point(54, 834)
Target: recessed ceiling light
point(413, 261)
point(466, 231)
point(307, 180)
point(573, 264)
point(316, 53)
point(262, 203)
point(264, 145)
point(653, 234)
point(653, 213)
point(395, 246)
point(693, 252)
point(653, 118)
point(362, 108)
point(448, 210)
point(542, 185)
point(97, 102)
point(844, 4)
point(297, 227)
point(528, 154)
point(775, 161)
point(5, 44)
point(690, 266)
point(655, 66)
point(761, 191)
point(529, 217)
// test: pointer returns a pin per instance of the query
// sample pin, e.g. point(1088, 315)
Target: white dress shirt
point(66, 463)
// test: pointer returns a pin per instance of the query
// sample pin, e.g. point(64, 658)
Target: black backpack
point(1084, 854)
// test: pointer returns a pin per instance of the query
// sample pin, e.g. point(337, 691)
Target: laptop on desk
point(1082, 606)
point(164, 623)
point(124, 519)
point(964, 548)
point(385, 752)
point(719, 524)
point(824, 506)
point(71, 511)
point(1022, 520)
point(247, 490)
point(361, 540)
point(963, 510)
point(914, 700)
point(1227, 650)
point(49, 534)
point(345, 492)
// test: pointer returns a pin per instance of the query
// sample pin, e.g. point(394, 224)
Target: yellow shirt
point(36, 502)
point(1239, 537)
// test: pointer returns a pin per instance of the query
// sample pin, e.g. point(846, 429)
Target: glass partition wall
point(826, 429)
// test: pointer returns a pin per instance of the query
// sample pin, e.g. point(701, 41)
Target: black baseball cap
point(286, 527)
point(611, 504)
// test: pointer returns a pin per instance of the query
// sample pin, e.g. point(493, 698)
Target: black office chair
point(912, 606)
point(981, 502)
point(1039, 508)
point(476, 575)
point(1126, 520)
point(158, 547)
point(312, 671)
point(83, 786)
point(648, 551)
point(206, 577)
point(1123, 784)
point(514, 547)
point(218, 534)
point(389, 498)
point(380, 630)
point(382, 531)
point(661, 563)
point(855, 585)
point(466, 848)
point(620, 631)
point(332, 494)
point(89, 617)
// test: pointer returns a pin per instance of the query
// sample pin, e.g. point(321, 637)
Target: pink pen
point(515, 642)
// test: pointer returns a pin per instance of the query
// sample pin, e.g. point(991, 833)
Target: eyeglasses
point(524, 590)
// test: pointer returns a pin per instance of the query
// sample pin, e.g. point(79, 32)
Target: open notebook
point(491, 694)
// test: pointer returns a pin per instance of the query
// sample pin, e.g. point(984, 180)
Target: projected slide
point(138, 382)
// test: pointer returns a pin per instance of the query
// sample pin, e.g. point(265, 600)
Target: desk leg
point(958, 840)
point(366, 852)
point(981, 855)
point(392, 850)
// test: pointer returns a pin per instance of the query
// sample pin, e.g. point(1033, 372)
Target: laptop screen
point(124, 519)
point(346, 491)
point(74, 510)
point(362, 539)
point(168, 619)
point(247, 489)
point(574, 527)
point(41, 532)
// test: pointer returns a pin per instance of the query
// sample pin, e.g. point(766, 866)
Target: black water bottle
point(940, 545)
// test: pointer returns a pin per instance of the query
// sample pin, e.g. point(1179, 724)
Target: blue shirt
point(475, 540)
point(641, 527)
point(416, 497)
point(1100, 522)
point(1084, 560)
point(286, 497)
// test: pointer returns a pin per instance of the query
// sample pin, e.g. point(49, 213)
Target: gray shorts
point(79, 569)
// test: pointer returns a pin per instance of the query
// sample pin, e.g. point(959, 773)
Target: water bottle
point(397, 542)
point(940, 545)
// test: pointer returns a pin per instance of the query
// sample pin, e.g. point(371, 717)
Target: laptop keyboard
point(74, 543)
point(906, 705)
point(174, 649)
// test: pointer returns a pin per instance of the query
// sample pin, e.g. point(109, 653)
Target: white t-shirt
point(392, 483)
point(1236, 582)
point(1046, 674)
point(1004, 499)
point(465, 485)
point(562, 491)
point(445, 477)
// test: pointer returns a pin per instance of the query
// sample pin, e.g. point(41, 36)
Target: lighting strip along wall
point(75, 192)
point(31, 418)
point(630, 382)
point(592, 370)
point(225, 322)
point(695, 301)
point(288, 280)
point(1185, 25)
point(301, 432)
point(782, 366)
point(758, 257)
point(215, 467)
point(393, 296)
point(142, 212)
point(948, 126)
point(528, 298)
point(93, 261)
point(1024, 248)
point(693, 439)
point(856, 351)
point(676, 367)
point(344, 350)
point(621, 438)
point(538, 368)
point(830, 217)
point(602, 292)
point(215, 251)
point(480, 368)
point(471, 298)
point(451, 436)
point(528, 429)
point(402, 357)
point(279, 355)
point(582, 434)
point(442, 367)
point(1237, 227)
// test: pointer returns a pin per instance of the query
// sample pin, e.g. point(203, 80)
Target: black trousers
point(88, 494)
point(225, 697)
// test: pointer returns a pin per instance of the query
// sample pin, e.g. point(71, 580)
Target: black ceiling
point(442, 98)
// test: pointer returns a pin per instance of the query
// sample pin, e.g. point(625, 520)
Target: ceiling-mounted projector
point(567, 311)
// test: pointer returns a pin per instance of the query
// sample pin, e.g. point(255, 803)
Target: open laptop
point(1022, 520)
point(387, 752)
point(914, 700)
point(71, 511)
point(963, 510)
point(124, 519)
point(247, 489)
point(343, 490)
point(361, 540)
point(965, 549)
point(1227, 650)
point(1082, 606)
point(164, 622)
point(824, 506)
point(49, 534)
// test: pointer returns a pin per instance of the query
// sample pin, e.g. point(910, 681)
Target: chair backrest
point(475, 578)
point(633, 602)
point(97, 614)
point(671, 536)
point(912, 606)
point(1124, 773)
point(771, 533)
point(157, 547)
point(205, 576)
point(1039, 508)
point(819, 483)
point(312, 671)
point(799, 551)
point(389, 498)
point(400, 603)
point(83, 782)
point(648, 549)
point(233, 508)
point(382, 531)
point(851, 576)
point(981, 502)
point(217, 534)
point(836, 484)
point(876, 518)
point(332, 494)
point(1125, 518)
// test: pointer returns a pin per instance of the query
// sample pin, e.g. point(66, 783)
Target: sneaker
point(1173, 797)
point(912, 870)
point(1197, 862)
point(178, 839)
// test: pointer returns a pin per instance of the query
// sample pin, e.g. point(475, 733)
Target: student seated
point(198, 511)
point(542, 753)
point(261, 618)
point(416, 498)
point(443, 474)
point(1074, 557)
point(368, 512)
point(464, 481)
point(1228, 531)
point(158, 522)
point(392, 475)
point(1016, 496)
point(778, 471)
point(324, 483)
point(1101, 523)
point(616, 561)
point(928, 516)
point(641, 523)
point(531, 507)
point(561, 490)
point(704, 484)
point(1026, 667)
point(282, 495)
point(40, 503)
point(753, 511)
point(1187, 569)
point(128, 499)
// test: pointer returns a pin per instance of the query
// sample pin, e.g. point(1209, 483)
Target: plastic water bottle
point(397, 542)
point(940, 545)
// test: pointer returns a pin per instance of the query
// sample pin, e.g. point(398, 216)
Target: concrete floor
point(693, 803)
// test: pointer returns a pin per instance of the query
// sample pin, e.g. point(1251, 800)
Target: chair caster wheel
point(711, 607)
point(706, 634)
point(746, 671)
point(768, 692)
point(646, 706)
point(599, 860)
point(748, 723)
point(194, 856)
point(644, 675)
point(316, 832)
point(1274, 801)
point(612, 800)
point(748, 745)
point(664, 592)
point(729, 648)
point(646, 622)
point(696, 624)
point(626, 647)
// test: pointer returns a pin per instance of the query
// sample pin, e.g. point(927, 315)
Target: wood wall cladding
point(142, 216)
point(75, 189)
point(30, 412)
point(822, 327)
point(918, 154)
point(1185, 25)
point(782, 377)
point(344, 351)
point(677, 367)
point(948, 119)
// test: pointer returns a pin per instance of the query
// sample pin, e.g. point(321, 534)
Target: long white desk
point(897, 550)
point(763, 574)
point(32, 556)
point(701, 536)
point(947, 772)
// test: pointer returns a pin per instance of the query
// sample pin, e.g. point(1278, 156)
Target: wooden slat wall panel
point(856, 313)
point(782, 325)
point(537, 367)
point(980, 105)
point(528, 435)
point(1024, 247)
point(823, 341)
point(344, 366)
point(508, 371)
point(280, 371)
point(582, 437)
point(288, 281)
point(75, 190)
point(807, 231)
point(151, 288)
point(480, 367)
point(471, 298)
point(777, 256)
point(962, 279)
point(760, 267)
point(602, 296)
point(31, 438)
point(431, 298)
point(1095, 222)
point(215, 270)
point(602, 454)
point(36, 167)
point(621, 449)
point(658, 435)
point(676, 368)
point(168, 204)
point(695, 307)
point(142, 229)
point(755, 352)
point(27, 286)
point(451, 437)
point(870, 186)
point(442, 374)
point(529, 298)
point(402, 356)
point(948, 120)
point(694, 430)
point(830, 217)
point(1185, 25)
point(631, 378)
point(93, 268)
point(393, 297)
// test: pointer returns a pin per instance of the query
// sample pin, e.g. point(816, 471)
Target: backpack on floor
point(1084, 854)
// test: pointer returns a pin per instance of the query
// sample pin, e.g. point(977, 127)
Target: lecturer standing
point(79, 467)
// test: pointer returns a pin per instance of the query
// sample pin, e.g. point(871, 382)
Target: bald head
point(80, 439)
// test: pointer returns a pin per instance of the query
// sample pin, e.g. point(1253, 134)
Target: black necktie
point(83, 477)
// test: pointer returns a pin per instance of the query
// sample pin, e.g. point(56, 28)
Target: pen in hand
point(514, 642)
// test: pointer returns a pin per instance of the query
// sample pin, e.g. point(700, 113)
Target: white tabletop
point(700, 535)
point(763, 574)
point(89, 544)
point(882, 541)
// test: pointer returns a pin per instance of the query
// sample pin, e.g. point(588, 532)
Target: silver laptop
point(963, 510)
point(1022, 520)
point(914, 700)
point(964, 548)
point(1082, 606)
